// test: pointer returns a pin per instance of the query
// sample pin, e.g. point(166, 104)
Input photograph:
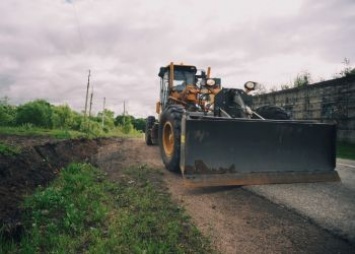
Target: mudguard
point(225, 151)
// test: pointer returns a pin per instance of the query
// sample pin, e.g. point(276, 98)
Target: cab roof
point(187, 68)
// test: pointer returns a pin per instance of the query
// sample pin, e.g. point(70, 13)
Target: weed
point(82, 212)
point(346, 151)
point(8, 150)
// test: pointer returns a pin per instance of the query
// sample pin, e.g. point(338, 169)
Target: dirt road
point(237, 220)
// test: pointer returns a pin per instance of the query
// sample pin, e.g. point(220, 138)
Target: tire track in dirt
point(236, 220)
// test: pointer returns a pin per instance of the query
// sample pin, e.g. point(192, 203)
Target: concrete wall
point(327, 101)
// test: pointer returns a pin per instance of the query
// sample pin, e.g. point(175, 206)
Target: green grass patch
point(346, 151)
point(82, 212)
point(8, 150)
point(35, 131)
point(29, 130)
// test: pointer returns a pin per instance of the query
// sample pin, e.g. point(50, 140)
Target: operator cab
point(175, 78)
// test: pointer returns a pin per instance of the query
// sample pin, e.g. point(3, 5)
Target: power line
point(78, 24)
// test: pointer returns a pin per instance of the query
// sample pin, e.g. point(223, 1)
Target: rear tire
point(273, 113)
point(148, 130)
point(169, 137)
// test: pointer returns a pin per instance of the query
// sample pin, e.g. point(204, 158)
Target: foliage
point(285, 86)
point(121, 119)
point(41, 118)
point(9, 151)
point(347, 70)
point(134, 215)
point(346, 150)
point(139, 124)
point(127, 126)
point(302, 79)
point(107, 118)
point(38, 113)
point(124, 120)
point(7, 115)
point(63, 117)
point(28, 130)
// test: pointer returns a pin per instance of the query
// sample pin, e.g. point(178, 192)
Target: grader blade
point(225, 151)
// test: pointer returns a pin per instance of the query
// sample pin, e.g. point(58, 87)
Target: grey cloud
point(324, 29)
point(124, 46)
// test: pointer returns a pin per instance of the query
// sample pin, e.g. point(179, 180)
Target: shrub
point(38, 113)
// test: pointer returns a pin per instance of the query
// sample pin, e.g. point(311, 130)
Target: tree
point(347, 70)
point(63, 117)
point(7, 113)
point(38, 113)
point(139, 124)
point(121, 119)
point(285, 86)
point(302, 79)
point(108, 115)
point(127, 125)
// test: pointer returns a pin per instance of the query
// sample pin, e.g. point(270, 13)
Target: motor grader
point(214, 137)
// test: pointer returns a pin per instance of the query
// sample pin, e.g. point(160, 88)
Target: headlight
point(210, 82)
point(250, 85)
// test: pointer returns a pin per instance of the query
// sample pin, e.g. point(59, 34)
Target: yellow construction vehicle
point(213, 136)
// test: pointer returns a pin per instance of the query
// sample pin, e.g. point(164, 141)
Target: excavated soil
point(38, 164)
point(236, 220)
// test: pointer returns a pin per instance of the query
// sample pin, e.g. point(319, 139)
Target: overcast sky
point(48, 46)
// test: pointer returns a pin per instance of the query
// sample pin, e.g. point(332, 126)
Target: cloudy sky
point(48, 46)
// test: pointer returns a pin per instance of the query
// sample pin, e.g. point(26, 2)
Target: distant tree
point(77, 121)
point(109, 120)
point(139, 124)
point(302, 79)
point(347, 70)
point(285, 86)
point(127, 126)
point(7, 113)
point(121, 119)
point(63, 117)
point(4, 100)
point(38, 113)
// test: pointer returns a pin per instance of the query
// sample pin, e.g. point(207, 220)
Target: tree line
point(42, 114)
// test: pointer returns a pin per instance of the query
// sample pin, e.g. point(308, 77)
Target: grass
point(62, 133)
point(8, 150)
point(82, 212)
point(346, 151)
point(35, 131)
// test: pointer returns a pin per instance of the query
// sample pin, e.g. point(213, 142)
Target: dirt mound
point(36, 166)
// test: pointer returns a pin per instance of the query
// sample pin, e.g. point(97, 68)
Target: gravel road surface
point(329, 205)
point(247, 220)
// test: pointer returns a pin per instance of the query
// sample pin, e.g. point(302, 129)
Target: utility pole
point(87, 95)
point(124, 112)
point(91, 96)
point(103, 113)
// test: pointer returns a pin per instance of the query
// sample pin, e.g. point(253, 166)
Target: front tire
point(169, 137)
